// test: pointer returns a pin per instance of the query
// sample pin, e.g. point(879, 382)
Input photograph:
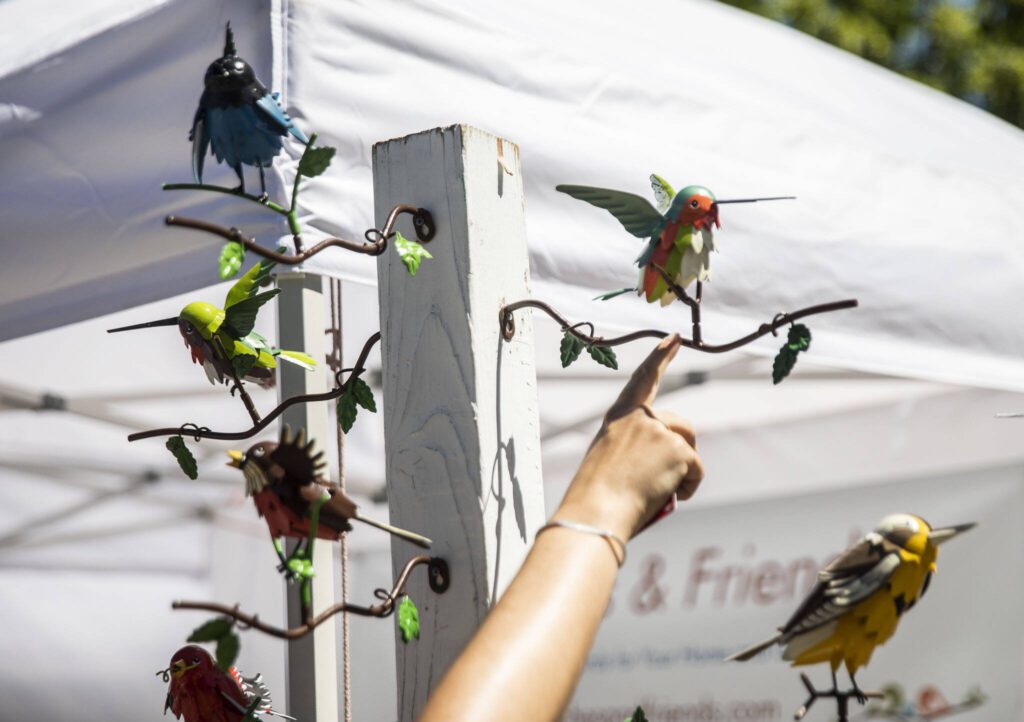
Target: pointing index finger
point(642, 387)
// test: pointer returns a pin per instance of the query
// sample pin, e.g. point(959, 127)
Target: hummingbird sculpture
point(284, 480)
point(680, 231)
point(223, 340)
point(200, 691)
point(238, 118)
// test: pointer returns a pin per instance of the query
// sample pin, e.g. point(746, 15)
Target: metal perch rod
point(509, 327)
point(376, 239)
point(439, 582)
point(198, 432)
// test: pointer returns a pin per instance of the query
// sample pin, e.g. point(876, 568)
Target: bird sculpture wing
point(297, 459)
point(855, 575)
point(241, 317)
point(636, 214)
point(271, 111)
point(302, 471)
point(200, 138)
point(663, 193)
point(249, 284)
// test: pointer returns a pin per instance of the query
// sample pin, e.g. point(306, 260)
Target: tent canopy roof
point(908, 199)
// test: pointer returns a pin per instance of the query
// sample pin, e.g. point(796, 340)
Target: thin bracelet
point(612, 539)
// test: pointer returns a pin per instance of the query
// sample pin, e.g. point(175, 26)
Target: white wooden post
point(313, 676)
point(460, 403)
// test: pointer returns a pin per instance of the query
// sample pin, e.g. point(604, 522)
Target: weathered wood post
point(460, 403)
point(313, 670)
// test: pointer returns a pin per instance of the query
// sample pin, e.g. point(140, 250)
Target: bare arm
point(526, 659)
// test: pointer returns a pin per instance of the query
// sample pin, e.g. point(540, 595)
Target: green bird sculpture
point(222, 339)
point(680, 231)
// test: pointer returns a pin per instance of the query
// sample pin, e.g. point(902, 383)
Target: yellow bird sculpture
point(859, 598)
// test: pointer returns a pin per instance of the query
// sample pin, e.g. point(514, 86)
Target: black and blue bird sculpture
point(238, 118)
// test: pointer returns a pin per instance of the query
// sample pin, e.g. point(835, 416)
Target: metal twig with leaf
point(599, 347)
point(186, 460)
point(314, 162)
point(438, 578)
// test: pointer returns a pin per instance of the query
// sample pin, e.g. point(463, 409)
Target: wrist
point(612, 517)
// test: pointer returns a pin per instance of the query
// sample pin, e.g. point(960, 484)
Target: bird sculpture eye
point(239, 65)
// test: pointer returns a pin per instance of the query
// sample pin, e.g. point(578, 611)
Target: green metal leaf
point(315, 161)
point(570, 349)
point(243, 363)
point(410, 252)
point(784, 362)
point(363, 394)
point(187, 462)
point(799, 339)
point(227, 650)
point(347, 410)
point(637, 716)
point(232, 255)
point(408, 619)
point(211, 631)
point(604, 356)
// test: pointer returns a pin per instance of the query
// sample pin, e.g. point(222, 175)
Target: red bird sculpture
point(202, 692)
point(285, 482)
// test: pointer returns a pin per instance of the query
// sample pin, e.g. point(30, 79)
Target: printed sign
point(708, 582)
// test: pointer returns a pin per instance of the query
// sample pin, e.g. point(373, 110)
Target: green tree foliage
point(973, 49)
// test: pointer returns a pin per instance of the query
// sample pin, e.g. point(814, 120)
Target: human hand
point(639, 458)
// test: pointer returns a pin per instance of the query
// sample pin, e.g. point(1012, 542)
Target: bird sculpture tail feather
point(299, 359)
point(416, 539)
point(753, 651)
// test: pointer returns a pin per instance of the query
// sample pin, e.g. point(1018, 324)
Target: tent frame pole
point(313, 682)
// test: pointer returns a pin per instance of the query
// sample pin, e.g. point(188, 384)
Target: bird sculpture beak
point(755, 200)
point(237, 459)
point(943, 535)
point(149, 324)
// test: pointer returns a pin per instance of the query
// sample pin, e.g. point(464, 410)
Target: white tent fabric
point(907, 201)
point(907, 197)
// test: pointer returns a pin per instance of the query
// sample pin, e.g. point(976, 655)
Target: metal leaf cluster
point(572, 346)
point(182, 454)
point(411, 253)
point(221, 631)
point(799, 340)
point(357, 393)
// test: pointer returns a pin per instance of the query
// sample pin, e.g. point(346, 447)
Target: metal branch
point(204, 433)
point(439, 582)
point(842, 698)
point(376, 239)
point(508, 325)
point(239, 387)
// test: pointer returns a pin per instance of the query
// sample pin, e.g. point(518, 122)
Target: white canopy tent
point(908, 200)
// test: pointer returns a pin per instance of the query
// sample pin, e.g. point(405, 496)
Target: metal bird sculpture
point(680, 231)
point(284, 479)
point(200, 691)
point(860, 597)
point(238, 118)
point(223, 340)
